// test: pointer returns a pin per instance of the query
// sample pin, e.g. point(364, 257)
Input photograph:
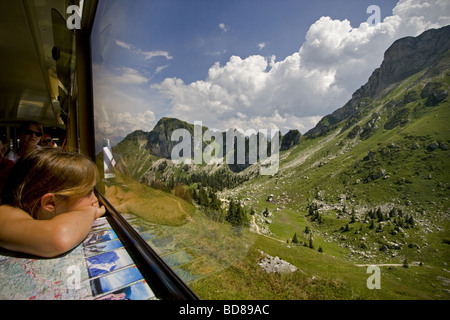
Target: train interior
point(47, 77)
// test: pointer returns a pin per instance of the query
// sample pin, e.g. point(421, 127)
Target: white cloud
point(122, 99)
point(151, 54)
point(146, 54)
point(335, 60)
point(129, 76)
point(223, 27)
point(159, 69)
point(432, 14)
point(261, 45)
point(124, 44)
point(118, 125)
point(216, 53)
point(122, 103)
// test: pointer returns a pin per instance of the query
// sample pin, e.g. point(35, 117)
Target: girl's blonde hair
point(48, 170)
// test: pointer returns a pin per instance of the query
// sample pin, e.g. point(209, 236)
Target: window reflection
point(195, 244)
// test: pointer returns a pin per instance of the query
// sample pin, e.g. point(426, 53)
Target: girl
point(48, 203)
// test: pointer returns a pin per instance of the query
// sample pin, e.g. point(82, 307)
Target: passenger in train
point(47, 141)
point(5, 164)
point(30, 134)
point(48, 204)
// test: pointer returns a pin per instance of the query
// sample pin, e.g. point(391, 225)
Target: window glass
point(134, 51)
point(196, 105)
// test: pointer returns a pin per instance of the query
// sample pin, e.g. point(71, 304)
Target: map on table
point(100, 268)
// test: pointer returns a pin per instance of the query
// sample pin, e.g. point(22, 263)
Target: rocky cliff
point(160, 141)
point(405, 57)
point(290, 139)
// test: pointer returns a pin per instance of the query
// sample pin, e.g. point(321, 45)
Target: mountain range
point(424, 55)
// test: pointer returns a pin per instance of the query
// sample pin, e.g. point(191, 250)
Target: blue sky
point(198, 33)
point(257, 64)
point(244, 28)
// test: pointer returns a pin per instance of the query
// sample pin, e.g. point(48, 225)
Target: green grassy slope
point(396, 158)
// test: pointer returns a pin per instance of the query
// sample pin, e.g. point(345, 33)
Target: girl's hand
point(100, 211)
point(94, 209)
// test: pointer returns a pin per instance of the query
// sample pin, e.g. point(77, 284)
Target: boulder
point(276, 265)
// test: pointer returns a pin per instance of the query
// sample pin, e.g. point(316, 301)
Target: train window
point(155, 195)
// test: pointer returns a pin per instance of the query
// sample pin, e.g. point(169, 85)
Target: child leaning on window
point(48, 203)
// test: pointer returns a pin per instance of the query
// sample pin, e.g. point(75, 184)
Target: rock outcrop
point(404, 58)
point(160, 141)
point(276, 265)
point(290, 139)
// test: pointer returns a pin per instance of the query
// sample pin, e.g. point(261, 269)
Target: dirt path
point(387, 265)
point(258, 231)
point(188, 216)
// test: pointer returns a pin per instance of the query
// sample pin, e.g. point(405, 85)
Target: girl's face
point(64, 205)
point(74, 203)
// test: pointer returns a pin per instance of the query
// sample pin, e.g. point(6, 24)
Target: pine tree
point(353, 219)
point(214, 202)
point(405, 264)
point(379, 228)
point(311, 242)
point(393, 213)
point(312, 208)
point(400, 222)
point(411, 221)
point(231, 212)
point(171, 183)
point(195, 195)
point(295, 239)
point(242, 219)
point(238, 217)
point(203, 198)
point(379, 215)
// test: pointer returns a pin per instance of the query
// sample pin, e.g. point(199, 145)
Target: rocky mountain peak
point(404, 57)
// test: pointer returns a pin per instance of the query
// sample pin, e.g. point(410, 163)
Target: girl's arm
point(45, 238)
